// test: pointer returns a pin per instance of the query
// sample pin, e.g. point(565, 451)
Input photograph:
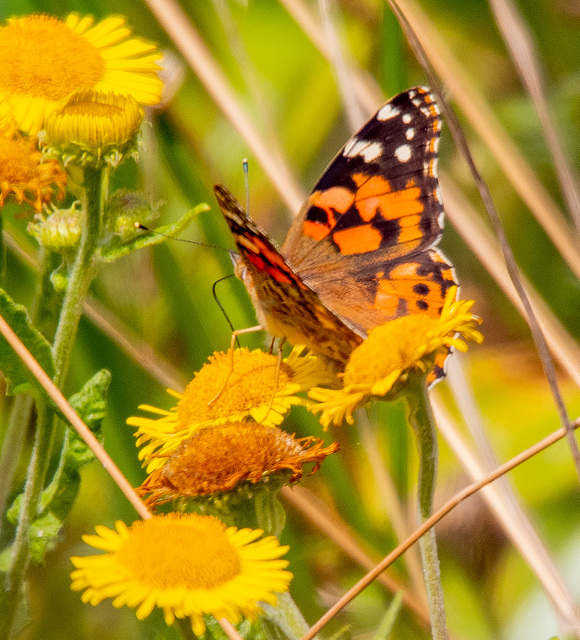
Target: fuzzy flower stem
point(84, 269)
point(286, 616)
point(420, 416)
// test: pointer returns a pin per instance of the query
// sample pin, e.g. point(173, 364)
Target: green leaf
point(18, 377)
point(58, 498)
point(155, 236)
point(91, 405)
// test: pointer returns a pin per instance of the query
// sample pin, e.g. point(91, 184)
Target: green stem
point(82, 274)
point(20, 558)
point(421, 418)
point(84, 268)
point(12, 447)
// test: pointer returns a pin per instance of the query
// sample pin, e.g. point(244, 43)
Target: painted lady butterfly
point(361, 250)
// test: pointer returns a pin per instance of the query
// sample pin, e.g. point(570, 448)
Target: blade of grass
point(467, 223)
point(522, 47)
point(365, 86)
point(352, 107)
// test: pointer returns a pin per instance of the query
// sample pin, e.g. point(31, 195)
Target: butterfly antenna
point(247, 183)
point(138, 225)
point(219, 304)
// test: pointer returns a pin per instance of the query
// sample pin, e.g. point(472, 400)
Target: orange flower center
point(214, 562)
point(41, 56)
point(252, 383)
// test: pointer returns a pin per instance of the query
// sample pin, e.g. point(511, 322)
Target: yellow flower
point(186, 564)
point(394, 351)
point(44, 59)
point(255, 388)
point(93, 127)
point(24, 175)
point(217, 459)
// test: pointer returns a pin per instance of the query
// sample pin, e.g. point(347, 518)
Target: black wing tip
point(226, 199)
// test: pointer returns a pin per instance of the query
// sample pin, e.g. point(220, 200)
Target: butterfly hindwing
point(285, 305)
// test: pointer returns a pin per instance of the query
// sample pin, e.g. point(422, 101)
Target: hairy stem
point(421, 418)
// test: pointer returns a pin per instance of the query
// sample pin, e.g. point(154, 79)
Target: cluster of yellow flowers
point(79, 83)
point(223, 433)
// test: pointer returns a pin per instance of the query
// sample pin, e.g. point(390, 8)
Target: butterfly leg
point(235, 334)
point(278, 367)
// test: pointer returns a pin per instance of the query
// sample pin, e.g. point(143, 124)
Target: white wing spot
point(387, 112)
point(403, 153)
point(410, 133)
point(349, 145)
point(407, 117)
point(369, 151)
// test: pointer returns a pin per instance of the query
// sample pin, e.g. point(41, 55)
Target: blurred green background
point(164, 298)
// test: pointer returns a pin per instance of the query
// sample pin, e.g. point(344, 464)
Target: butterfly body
point(360, 251)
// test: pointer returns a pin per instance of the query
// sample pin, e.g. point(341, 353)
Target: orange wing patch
point(387, 299)
point(360, 239)
point(404, 290)
point(332, 201)
point(377, 196)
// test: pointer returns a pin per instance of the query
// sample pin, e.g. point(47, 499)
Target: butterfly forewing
point(379, 198)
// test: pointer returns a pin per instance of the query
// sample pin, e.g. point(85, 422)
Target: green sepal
point(155, 236)
point(58, 498)
point(18, 377)
point(59, 278)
